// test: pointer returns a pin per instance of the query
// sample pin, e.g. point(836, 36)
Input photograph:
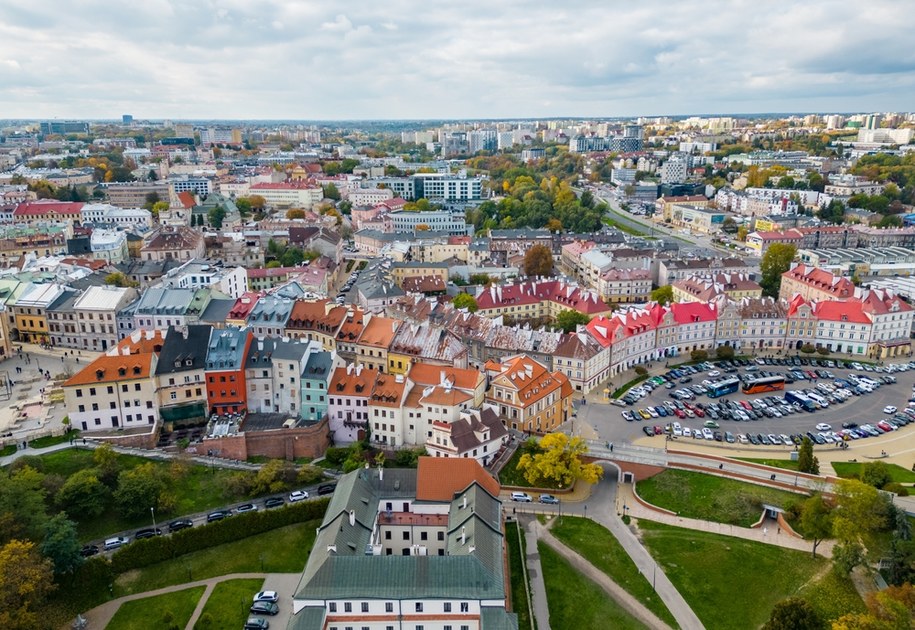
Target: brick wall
point(286, 444)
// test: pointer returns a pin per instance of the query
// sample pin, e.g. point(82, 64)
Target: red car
point(886, 426)
point(746, 405)
point(679, 413)
point(658, 430)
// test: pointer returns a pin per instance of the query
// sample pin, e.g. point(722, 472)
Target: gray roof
point(309, 618)
point(318, 366)
point(217, 311)
point(183, 354)
point(226, 348)
point(494, 618)
point(165, 301)
point(64, 303)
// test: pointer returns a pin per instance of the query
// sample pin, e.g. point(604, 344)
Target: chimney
point(463, 534)
point(381, 473)
point(352, 518)
point(464, 504)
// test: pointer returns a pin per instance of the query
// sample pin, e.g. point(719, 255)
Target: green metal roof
point(492, 618)
point(309, 618)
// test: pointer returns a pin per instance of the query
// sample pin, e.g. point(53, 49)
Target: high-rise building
point(127, 119)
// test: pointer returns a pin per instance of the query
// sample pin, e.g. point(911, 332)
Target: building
point(109, 246)
point(273, 369)
point(173, 243)
point(126, 218)
point(408, 548)
point(135, 194)
point(318, 320)
point(624, 286)
point(437, 187)
point(300, 194)
point(225, 370)
point(814, 284)
point(269, 316)
point(447, 221)
point(529, 397)
point(477, 434)
point(708, 288)
point(319, 365)
point(29, 308)
point(48, 211)
point(349, 392)
point(583, 361)
point(40, 239)
point(538, 299)
point(95, 325)
point(118, 389)
point(181, 376)
point(696, 218)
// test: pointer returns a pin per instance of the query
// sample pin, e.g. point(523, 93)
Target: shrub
point(698, 356)
point(897, 488)
point(641, 370)
point(823, 350)
point(336, 455)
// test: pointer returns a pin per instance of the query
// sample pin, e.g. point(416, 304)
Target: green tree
point(698, 356)
point(876, 474)
point(244, 206)
point(816, 520)
point(22, 507)
point(118, 279)
point(569, 320)
point(538, 261)
point(663, 295)
point(216, 216)
point(794, 613)
point(61, 544)
point(775, 262)
point(159, 207)
point(108, 464)
point(860, 510)
point(890, 220)
point(729, 225)
point(724, 353)
point(83, 493)
point(332, 192)
point(138, 490)
point(480, 279)
point(806, 462)
point(274, 476)
point(295, 213)
point(833, 212)
point(558, 462)
point(465, 300)
point(26, 579)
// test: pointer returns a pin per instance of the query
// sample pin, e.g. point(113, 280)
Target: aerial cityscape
point(463, 318)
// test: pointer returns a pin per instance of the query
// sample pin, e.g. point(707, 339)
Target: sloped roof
point(440, 479)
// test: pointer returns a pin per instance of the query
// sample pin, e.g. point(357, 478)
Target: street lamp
point(152, 511)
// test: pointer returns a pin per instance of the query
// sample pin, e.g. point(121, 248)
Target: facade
point(109, 246)
point(814, 284)
point(349, 392)
point(734, 286)
point(529, 397)
point(624, 286)
point(95, 324)
point(289, 194)
point(319, 365)
point(225, 370)
point(181, 375)
point(173, 243)
point(29, 308)
point(273, 370)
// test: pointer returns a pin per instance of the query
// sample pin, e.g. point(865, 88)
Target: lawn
point(576, 602)
point(510, 475)
point(9, 449)
point(201, 488)
point(51, 440)
point(710, 498)
point(514, 539)
point(602, 549)
point(161, 611)
point(785, 464)
point(622, 227)
point(853, 469)
point(228, 604)
point(728, 582)
point(832, 596)
point(283, 550)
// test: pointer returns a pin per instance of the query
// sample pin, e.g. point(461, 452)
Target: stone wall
point(288, 444)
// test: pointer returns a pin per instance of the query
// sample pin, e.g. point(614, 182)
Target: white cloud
point(404, 59)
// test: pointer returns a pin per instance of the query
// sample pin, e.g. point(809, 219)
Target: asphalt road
point(611, 426)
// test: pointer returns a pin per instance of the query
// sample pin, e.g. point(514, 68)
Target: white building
point(138, 218)
point(109, 245)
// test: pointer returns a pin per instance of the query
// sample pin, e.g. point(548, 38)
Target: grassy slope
point(228, 604)
point(142, 614)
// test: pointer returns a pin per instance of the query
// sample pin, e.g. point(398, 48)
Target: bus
point(800, 399)
point(722, 388)
point(764, 384)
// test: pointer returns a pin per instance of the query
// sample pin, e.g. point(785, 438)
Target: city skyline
point(271, 60)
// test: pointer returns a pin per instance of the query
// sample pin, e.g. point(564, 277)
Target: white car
point(714, 373)
point(266, 596)
point(889, 409)
point(823, 427)
point(297, 495)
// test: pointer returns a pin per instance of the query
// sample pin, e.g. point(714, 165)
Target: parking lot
point(728, 413)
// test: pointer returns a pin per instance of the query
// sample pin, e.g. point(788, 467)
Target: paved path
point(769, 535)
point(633, 606)
point(538, 599)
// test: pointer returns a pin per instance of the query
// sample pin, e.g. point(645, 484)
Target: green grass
point(833, 595)
point(853, 469)
point(622, 227)
point(151, 612)
point(283, 550)
point(51, 440)
point(510, 475)
point(228, 604)
point(576, 602)
point(785, 464)
point(604, 551)
point(710, 498)
point(200, 489)
point(627, 386)
point(516, 557)
point(9, 449)
point(728, 582)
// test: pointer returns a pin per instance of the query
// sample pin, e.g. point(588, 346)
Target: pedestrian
point(779, 530)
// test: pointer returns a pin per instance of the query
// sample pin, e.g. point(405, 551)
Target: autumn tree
point(724, 353)
point(569, 320)
point(893, 608)
point(139, 489)
point(816, 520)
point(295, 213)
point(83, 493)
point(159, 207)
point(663, 295)
point(775, 262)
point(118, 279)
point(554, 225)
point(860, 512)
point(742, 233)
point(794, 613)
point(538, 261)
point(806, 462)
point(557, 462)
point(26, 579)
point(465, 300)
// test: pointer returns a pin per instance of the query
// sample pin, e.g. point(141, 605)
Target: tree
point(876, 474)
point(808, 348)
point(663, 295)
point(724, 353)
point(465, 300)
point(558, 462)
point(794, 613)
point(893, 608)
point(860, 510)
point(83, 493)
point(295, 213)
point(22, 507)
point(816, 520)
point(332, 192)
point(729, 225)
point(216, 216)
point(554, 225)
point(538, 261)
point(108, 464)
point(257, 202)
point(806, 462)
point(775, 262)
point(26, 579)
point(480, 279)
point(118, 279)
point(569, 320)
point(891, 220)
point(742, 232)
point(244, 206)
point(698, 356)
point(138, 490)
point(274, 476)
point(61, 544)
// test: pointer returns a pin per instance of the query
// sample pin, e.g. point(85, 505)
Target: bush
point(808, 348)
point(823, 350)
point(149, 551)
point(897, 488)
point(698, 356)
point(724, 353)
point(641, 370)
point(336, 455)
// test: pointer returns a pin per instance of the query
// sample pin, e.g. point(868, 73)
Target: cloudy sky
point(298, 59)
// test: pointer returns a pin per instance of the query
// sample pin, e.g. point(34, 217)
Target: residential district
point(230, 295)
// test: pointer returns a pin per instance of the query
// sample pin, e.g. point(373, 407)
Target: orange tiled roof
point(446, 397)
point(111, 369)
point(428, 374)
point(441, 478)
point(352, 381)
point(379, 332)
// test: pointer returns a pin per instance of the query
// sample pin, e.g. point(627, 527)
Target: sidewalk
point(538, 598)
point(762, 534)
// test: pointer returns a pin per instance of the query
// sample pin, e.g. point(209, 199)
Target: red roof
point(48, 206)
point(847, 311)
point(439, 479)
point(187, 199)
point(690, 312)
point(534, 292)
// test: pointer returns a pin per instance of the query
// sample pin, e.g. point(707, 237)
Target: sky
point(402, 59)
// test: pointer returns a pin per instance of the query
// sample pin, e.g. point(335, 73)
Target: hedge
point(149, 551)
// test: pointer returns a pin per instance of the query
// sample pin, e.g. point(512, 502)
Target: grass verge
point(785, 464)
point(622, 227)
point(728, 582)
point(576, 602)
point(514, 539)
point(832, 596)
point(510, 475)
point(162, 611)
point(283, 550)
point(853, 470)
point(228, 604)
point(627, 386)
point(604, 551)
point(710, 498)
point(9, 449)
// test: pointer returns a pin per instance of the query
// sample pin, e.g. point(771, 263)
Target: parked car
point(264, 608)
point(247, 507)
point(218, 515)
point(522, 497)
point(181, 523)
point(326, 488)
point(889, 409)
point(549, 499)
point(149, 532)
point(266, 596)
point(256, 623)
point(115, 543)
point(274, 502)
point(297, 495)
point(88, 550)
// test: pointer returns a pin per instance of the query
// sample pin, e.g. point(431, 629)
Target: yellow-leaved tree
point(556, 462)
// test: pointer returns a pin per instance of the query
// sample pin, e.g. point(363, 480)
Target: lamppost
point(152, 511)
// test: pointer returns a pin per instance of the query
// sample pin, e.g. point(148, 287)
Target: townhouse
point(273, 372)
point(477, 434)
point(269, 316)
point(319, 365)
point(631, 335)
point(181, 375)
point(29, 307)
point(95, 325)
point(318, 320)
point(624, 286)
point(225, 370)
point(583, 361)
point(417, 343)
point(176, 242)
point(537, 299)
point(371, 347)
point(349, 391)
point(528, 396)
point(814, 284)
point(734, 286)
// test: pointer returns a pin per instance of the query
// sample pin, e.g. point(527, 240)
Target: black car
point(217, 516)
point(274, 502)
point(327, 488)
point(648, 431)
point(264, 608)
point(149, 532)
point(181, 523)
point(88, 550)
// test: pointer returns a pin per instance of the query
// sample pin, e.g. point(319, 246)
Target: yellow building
point(30, 311)
point(529, 397)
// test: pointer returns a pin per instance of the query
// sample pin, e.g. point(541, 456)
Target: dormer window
point(122, 371)
point(178, 363)
point(137, 369)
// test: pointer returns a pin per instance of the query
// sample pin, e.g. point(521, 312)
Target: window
point(92, 391)
point(365, 607)
point(389, 607)
point(173, 395)
point(447, 606)
point(110, 389)
point(82, 408)
point(419, 606)
point(332, 606)
point(465, 607)
point(406, 535)
point(424, 536)
point(387, 535)
point(347, 607)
